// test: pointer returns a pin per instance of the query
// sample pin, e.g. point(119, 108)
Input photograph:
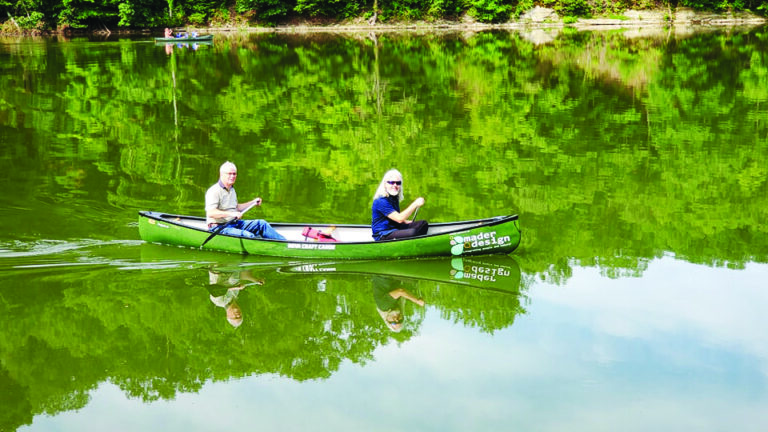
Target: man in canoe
point(221, 207)
point(387, 221)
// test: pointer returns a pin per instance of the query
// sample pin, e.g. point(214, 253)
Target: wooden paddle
point(219, 228)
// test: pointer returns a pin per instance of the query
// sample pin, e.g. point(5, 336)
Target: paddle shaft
point(221, 227)
point(415, 213)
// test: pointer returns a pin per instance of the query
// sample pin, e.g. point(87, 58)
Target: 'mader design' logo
point(477, 242)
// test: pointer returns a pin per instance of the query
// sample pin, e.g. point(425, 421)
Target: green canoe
point(496, 235)
point(185, 39)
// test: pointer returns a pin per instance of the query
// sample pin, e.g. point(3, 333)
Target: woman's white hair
point(381, 191)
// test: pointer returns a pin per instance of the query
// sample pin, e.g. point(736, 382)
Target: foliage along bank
point(36, 16)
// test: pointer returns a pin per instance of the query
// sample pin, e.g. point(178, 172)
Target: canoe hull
point(185, 39)
point(499, 235)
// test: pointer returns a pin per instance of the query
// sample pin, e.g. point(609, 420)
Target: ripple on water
point(88, 254)
point(60, 253)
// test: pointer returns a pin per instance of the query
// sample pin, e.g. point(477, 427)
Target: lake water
point(637, 163)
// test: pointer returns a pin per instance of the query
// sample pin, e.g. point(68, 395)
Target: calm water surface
point(635, 301)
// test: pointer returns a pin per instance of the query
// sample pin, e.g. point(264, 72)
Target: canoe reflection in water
point(343, 297)
point(491, 272)
point(193, 46)
point(223, 289)
point(401, 288)
point(390, 297)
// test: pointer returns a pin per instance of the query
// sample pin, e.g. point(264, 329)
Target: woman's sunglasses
point(394, 182)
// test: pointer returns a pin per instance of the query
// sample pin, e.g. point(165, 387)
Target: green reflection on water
point(157, 321)
point(613, 150)
point(606, 146)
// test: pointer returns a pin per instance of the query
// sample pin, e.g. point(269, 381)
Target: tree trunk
point(372, 20)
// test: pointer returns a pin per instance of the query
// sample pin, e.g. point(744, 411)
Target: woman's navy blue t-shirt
point(381, 225)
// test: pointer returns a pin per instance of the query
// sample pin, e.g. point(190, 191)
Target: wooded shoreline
point(537, 17)
point(547, 17)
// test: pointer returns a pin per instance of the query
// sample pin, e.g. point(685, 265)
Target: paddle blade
point(214, 233)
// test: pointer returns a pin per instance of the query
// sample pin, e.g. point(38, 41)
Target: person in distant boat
point(387, 221)
point(168, 33)
point(221, 207)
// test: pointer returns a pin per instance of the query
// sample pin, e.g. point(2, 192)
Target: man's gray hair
point(226, 166)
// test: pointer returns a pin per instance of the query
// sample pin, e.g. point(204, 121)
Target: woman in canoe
point(387, 221)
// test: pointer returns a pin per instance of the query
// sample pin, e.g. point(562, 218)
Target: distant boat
point(496, 235)
point(186, 38)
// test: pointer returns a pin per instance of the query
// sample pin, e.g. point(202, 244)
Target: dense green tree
point(268, 11)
